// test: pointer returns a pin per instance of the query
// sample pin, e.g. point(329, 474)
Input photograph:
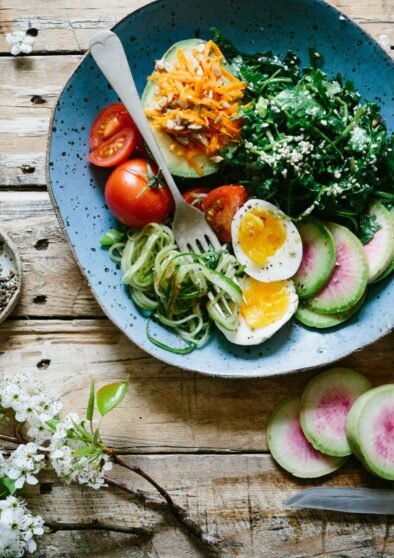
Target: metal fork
point(190, 228)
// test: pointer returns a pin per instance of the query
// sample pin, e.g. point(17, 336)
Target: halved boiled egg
point(265, 308)
point(265, 241)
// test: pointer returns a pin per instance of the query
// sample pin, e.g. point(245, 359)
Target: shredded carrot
point(197, 98)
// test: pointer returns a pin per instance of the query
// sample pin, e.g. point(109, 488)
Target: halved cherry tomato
point(195, 196)
point(135, 196)
point(220, 206)
point(114, 150)
point(109, 122)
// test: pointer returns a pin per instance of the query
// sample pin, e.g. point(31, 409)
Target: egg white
point(245, 335)
point(285, 262)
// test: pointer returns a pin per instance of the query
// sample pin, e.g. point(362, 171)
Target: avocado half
point(178, 166)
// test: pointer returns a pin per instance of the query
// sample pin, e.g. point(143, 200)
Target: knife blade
point(350, 500)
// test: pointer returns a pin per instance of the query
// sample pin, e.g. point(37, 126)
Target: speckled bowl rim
point(19, 271)
point(328, 362)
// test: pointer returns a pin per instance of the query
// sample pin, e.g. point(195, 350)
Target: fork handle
point(110, 57)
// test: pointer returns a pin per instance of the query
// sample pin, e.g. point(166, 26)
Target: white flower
point(17, 528)
point(20, 41)
point(68, 463)
point(13, 396)
point(24, 463)
point(32, 406)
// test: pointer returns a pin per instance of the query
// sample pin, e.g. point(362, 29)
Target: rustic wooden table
point(203, 438)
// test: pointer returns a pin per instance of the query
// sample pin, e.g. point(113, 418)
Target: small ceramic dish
point(10, 276)
point(77, 187)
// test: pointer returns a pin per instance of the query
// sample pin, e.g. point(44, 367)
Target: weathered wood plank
point(166, 409)
point(70, 27)
point(53, 285)
point(24, 125)
point(241, 498)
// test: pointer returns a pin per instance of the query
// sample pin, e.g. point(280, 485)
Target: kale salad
point(308, 143)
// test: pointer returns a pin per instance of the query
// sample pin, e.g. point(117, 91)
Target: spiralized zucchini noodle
point(184, 291)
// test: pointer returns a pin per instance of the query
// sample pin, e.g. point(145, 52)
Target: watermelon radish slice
point(374, 431)
point(390, 268)
point(291, 449)
point(352, 421)
point(386, 273)
point(349, 279)
point(318, 257)
point(323, 321)
point(380, 250)
point(325, 404)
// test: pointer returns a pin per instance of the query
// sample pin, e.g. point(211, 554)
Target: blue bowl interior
point(77, 187)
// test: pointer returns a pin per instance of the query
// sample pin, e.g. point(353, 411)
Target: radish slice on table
point(347, 283)
point(371, 431)
point(291, 449)
point(325, 404)
point(352, 421)
point(318, 257)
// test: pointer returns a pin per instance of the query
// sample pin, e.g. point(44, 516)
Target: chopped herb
point(112, 236)
point(368, 227)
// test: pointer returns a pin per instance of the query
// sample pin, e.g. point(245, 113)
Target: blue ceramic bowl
point(77, 188)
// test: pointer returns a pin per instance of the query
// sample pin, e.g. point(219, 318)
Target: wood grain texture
point(202, 438)
point(53, 285)
point(240, 498)
point(165, 409)
point(67, 27)
point(24, 125)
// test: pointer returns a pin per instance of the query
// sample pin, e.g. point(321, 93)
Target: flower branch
point(73, 448)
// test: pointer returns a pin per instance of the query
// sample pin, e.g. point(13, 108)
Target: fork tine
point(194, 246)
point(213, 240)
point(204, 244)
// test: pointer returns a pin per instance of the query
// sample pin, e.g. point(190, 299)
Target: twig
point(162, 491)
point(97, 526)
point(11, 439)
point(208, 540)
point(140, 495)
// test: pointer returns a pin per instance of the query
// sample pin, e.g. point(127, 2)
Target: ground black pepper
point(8, 286)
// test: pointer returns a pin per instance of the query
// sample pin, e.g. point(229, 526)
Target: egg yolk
point(264, 303)
point(261, 233)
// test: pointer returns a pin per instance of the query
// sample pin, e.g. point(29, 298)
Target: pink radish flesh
point(343, 274)
point(348, 281)
point(325, 405)
point(309, 254)
point(384, 434)
point(297, 443)
point(331, 411)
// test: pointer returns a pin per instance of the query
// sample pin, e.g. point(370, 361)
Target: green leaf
point(109, 396)
point(96, 437)
point(112, 236)
point(86, 450)
point(52, 423)
point(7, 486)
point(90, 407)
